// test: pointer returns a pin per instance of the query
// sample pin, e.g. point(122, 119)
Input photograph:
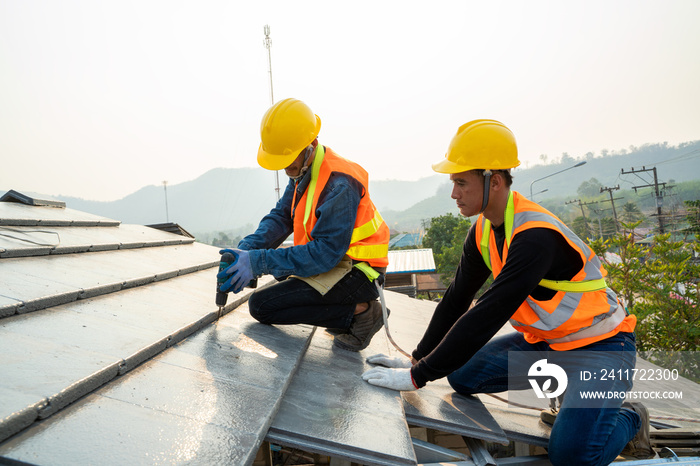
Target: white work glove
point(395, 379)
point(387, 361)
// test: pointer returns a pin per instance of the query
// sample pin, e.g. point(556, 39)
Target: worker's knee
point(458, 384)
point(565, 450)
point(572, 455)
point(256, 310)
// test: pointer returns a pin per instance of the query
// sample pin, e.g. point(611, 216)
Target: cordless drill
point(227, 259)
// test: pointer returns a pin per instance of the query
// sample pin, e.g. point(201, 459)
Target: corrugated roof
point(112, 351)
point(403, 240)
point(411, 261)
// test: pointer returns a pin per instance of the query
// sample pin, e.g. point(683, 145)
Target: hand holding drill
point(237, 273)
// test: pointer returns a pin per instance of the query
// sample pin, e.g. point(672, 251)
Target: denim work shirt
point(336, 212)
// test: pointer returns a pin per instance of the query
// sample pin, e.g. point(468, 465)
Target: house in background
point(412, 271)
point(406, 240)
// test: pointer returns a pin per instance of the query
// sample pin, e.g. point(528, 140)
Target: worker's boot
point(363, 327)
point(548, 416)
point(337, 331)
point(640, 445)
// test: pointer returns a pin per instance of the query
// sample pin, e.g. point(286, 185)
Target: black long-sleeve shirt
point(454, 335)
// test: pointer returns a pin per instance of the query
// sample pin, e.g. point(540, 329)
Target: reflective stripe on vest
point(368, 229)
point(556, 285)
point(311, 189)
point(374, 252)
point(580, 307)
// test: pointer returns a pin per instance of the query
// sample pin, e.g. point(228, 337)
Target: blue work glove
point(239, 274)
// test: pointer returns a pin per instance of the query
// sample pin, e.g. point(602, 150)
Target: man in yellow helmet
point(551, 287)
point(330, 277)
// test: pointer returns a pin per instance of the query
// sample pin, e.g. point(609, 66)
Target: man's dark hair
point(506, 175)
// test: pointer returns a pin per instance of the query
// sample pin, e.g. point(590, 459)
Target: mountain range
point(227, 199)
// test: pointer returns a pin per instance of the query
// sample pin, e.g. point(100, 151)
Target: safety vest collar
point(486, 234)
point(369, 239)
point(556, 285)
point(311, 190)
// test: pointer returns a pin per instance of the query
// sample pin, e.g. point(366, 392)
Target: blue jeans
point(585, 436)
point(293, 301)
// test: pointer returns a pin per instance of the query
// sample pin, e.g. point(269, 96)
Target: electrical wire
point(30, 240)
point(664, 418)
point(385, 316)
point(690, 155)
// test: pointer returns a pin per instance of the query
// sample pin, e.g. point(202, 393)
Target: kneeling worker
point(341, 243)
point(548, 284)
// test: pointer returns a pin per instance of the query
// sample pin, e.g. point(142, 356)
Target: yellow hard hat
point(286, 129)
point(480, 144)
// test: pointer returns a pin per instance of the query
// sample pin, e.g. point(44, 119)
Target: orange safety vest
point(584, 310)
point(370, 236)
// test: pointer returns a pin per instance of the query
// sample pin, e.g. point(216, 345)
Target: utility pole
point(268, 43)
point(612, 201)
point(165, 188)
point(659, 195)
point(598, 212)
point(583, 214)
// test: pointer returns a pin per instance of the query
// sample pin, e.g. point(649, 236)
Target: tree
point(607, 227)
point(693, 218)
point(658, 283)
point(566, 159)
point(630, 213)
point(223, 240)
point(445, 237)
point(440, 233)
point(589, 189)
point(580, 227)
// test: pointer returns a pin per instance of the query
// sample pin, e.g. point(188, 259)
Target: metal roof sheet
point(405, 240)
point(34, 283)
point(31, 199)
point(124, 360)
point(207, 400)
point(22, 241)
point(436, 405)
point(329, 409)
point(12, 213)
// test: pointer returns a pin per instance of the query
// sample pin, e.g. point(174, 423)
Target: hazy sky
point(99, 98)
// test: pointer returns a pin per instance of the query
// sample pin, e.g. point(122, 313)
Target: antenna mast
point(165, 189)
point(268, 43)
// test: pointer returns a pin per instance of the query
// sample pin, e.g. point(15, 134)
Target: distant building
point(412, 271)
point(404, 240)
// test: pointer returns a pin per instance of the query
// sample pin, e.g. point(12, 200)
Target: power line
point(690, 155)
point(659, 196)
point(612, 201)
point(583, 214)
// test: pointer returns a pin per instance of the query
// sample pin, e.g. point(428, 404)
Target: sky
point(101, 98)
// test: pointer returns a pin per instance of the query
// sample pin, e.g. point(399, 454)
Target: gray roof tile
point(123, 361)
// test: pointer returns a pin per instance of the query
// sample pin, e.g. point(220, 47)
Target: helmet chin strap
point(487, 186)
point(304, 167)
